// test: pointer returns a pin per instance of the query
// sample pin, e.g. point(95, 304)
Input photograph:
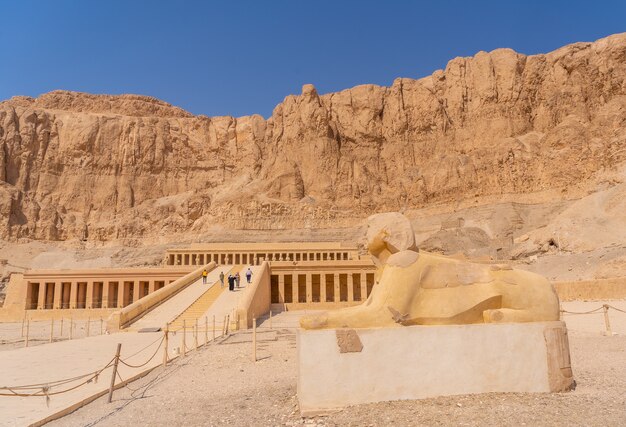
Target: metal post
point(184, 338)
point(270, 319)
point(51, 329)
point(61, 327)
point(607, 323)
point(88, 325)
point(117, 359)
point(214, 327)
point(254, 339)
point(27, 330)
point(71, 328)
point(23, 321)
point(167, 330)
point(195, 335)
point(101, 326)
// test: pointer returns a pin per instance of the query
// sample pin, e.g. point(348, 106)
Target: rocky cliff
point(98, 167)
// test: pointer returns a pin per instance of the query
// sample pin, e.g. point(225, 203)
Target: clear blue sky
point(244, 57)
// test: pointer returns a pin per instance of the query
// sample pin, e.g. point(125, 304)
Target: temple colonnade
point(86, 289)
point(253, 258)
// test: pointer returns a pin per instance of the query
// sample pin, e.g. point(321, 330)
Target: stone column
point(281, 288)
point(309, 287)
point(89, 298)
point(295, 289)
point(41, 299)
point(81, 295)
point(350, 286)
point(337, 289)
point(120, 294)
point(363, 286)
point(151, 286)
point(73, 294)
point(322, 287)
point(105, 294)
point(57, 295)
point(136, 287)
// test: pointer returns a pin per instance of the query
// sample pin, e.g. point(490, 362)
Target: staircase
point(202, 304)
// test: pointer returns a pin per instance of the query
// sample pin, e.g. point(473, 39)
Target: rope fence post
point(61, 333)
point(51, 329)
point(101, 326)
point(23, 321)
point(71, 328)
point(88, 325)
point(254, 338)
point(270, 319)
point(195, 335)
point(214, 327)
point(167, 330)
point(117, 359)
point(607, 322)
point(184, 338)
point(27, 331)
point(206, 330)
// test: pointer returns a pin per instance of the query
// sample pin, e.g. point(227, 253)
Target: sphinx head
point(387, 234)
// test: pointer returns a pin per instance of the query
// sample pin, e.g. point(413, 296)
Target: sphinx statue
point(419, 288)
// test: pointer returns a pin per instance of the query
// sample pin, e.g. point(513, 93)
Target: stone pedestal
point(341, 367)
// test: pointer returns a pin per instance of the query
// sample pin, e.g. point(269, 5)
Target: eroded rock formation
point(100, 167)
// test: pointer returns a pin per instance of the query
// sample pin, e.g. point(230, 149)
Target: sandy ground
point(221, 385)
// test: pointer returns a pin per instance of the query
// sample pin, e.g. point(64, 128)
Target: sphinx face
point(376, 242)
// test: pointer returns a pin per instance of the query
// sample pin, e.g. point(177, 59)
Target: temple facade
point(256, 253)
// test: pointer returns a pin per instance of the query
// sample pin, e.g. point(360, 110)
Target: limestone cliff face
point(100, 167)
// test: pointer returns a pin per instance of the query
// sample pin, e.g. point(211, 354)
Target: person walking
point(231, 282)
point(249, 275)
point(204, 275)
point(222, 279)
point(237, 279)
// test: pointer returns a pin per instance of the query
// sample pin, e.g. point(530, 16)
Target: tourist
point(237, 279)
point(222, 279)
point(204, 275)
point(249, 275)
point(231, 282)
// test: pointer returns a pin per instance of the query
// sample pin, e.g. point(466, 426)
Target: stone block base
point(341, 367)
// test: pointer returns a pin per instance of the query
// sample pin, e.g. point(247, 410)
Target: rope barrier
point(147, 361)
point(582, 312)
point(594, 310)
point(43, 389)
point(615, 308)
point(142, 349)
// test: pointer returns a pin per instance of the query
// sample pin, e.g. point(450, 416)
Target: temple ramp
point(197, 310)
point(228, 301)
point(173, 307)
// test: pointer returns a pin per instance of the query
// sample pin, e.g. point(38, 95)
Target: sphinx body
point(420, 288)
